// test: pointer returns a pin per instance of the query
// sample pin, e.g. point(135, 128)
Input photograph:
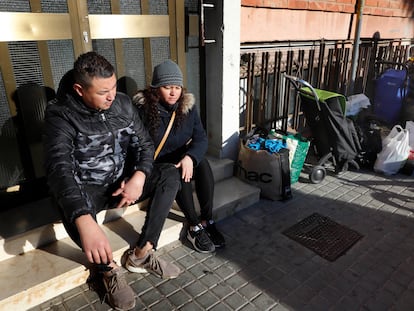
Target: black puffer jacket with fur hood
point(189, 138)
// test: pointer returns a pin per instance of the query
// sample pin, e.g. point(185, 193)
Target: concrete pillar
point(222, 64)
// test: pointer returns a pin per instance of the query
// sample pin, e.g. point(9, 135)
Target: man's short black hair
point(91, 65)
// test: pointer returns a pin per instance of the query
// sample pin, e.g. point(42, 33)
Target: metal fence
point(267, 99)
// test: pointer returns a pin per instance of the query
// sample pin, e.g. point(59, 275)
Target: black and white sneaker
point(215, 236)
point(200, 240)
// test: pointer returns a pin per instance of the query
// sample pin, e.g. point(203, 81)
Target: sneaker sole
point(135, 269)
point(162, 276)
point(198, 249)
point(126, 308)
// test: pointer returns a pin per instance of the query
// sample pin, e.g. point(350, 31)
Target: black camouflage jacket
point(85, 147)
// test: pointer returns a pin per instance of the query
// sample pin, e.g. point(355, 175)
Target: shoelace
point(154, 264)
point(203, 238)
point(116, 281)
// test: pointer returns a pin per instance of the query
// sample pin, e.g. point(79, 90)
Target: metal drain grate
point(324, 236)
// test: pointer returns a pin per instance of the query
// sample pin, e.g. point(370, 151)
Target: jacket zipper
point(103, 118)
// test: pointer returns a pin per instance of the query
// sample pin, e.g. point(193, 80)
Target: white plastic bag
point(394, 153)
point(409, 126)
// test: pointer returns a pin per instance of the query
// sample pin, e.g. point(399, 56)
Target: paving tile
point(179, 298)
point(345, 304)
point(222, 290)
point(406, 301)
point(213, 262)
point(373, 304)
point(221, 307)
point(102, 306)
point(76, 302)
point(184, 279)
point(188, 261)
point(401, 278)
point(289, 282)
point(210, 279)
point(226, 270)
point(293, 303)
point(162, 305)
point(394, 288)
point(250, 291)
point(235, 301)
point(196, 288)
point(207, 300)
point(150, 297)
point(264, 302)
point(276, 290)
point(198, 271)
point(191, 306)
point(141, 286)
point(304, 293)
point(359, 294)
point(168, 288)
point(249, 307)
point(318, 303)
point(236, 281)
point(331, 294)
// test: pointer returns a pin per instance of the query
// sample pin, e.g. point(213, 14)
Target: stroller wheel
point(317, 174)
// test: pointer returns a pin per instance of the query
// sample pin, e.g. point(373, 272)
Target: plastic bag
point(269, 172)
point(298, 149)
point(394, 153)
point(409, 126)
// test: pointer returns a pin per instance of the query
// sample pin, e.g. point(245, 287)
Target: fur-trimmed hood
point(187, 128)
point(188, 102)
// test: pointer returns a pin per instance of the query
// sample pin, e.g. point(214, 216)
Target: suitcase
point(390, 91)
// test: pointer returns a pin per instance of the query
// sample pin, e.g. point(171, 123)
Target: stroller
point(333, 135)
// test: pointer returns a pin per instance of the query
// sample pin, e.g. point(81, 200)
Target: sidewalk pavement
point(262, 269)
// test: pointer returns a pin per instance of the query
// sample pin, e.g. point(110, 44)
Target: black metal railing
point(265, 96)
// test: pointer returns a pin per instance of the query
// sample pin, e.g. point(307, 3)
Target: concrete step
point(42, 263)
point(16, 244)
point(222, 168)
point(14, 221)
point(227, 201)
point(232, 195)
point(35, 224)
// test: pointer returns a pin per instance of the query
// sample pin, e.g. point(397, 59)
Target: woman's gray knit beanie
point(167, 73)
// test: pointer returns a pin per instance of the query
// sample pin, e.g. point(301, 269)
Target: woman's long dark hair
point(152, 99)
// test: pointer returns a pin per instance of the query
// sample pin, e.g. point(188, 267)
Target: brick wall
point(395, 8)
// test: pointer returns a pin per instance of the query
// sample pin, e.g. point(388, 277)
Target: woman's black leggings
point(204, 187)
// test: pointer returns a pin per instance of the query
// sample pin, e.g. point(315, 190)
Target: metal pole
point(355, 52)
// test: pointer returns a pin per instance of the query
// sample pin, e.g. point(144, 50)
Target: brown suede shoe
point(120, 295)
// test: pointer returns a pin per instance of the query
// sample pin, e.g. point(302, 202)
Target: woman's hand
point(187, 167)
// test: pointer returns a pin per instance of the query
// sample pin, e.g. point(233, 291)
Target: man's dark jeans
point(160, 187)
